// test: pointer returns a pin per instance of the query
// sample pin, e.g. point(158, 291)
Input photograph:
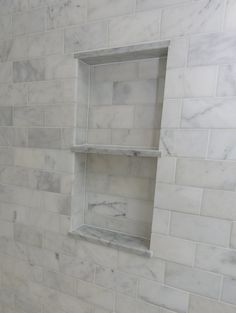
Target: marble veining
point(113, 239)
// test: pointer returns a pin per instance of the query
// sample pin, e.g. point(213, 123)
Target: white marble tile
point(171, 113)
point(212, 49)
point(160, 221)
point(233, 236)
point(200, 228)
point(173, 249)
point(108, 8)
point(177, 53)
point(150, 268)
point(99, 296)
point(188, 83)
point(219, 203)
point(143, 5)
point(229, 289)
point(163, 296)
point(216, 260)
point(227, 81)
point(209, 113)
point(178, 198)
point(186, 143)
point(230, 24)
point(116, 72)
point(135, 137)
point(5, 27)
point(43, 44)
point(13, 94)
point(222, 145)
point(200, 304)
point(135, 92)
point(152, 68)
point(132, 29)
point(86, 37)
point(197, 17)
point(111, 117)
point(28, 116)
point(63, 13)
point(30, 70)
point(193, 280)
point(30, 22)
point(166, 170)
point(209, 174)
point(101, 93)
point(116, 280)
point(5, 72)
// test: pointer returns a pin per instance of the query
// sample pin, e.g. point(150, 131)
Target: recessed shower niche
point(119, 106)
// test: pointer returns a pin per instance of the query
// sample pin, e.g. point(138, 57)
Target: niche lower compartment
point(113, 239)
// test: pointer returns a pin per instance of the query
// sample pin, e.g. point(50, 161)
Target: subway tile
point(188, 83)
point(222, 144)
point(200, 304)
point(28, 116)
point(173, 249)
point(98, 296)
point(193, 280)
point(5, 27)
point(180, 142)
point(233, 236)
point(200, 228)
point(209, 113)
point(107, 8)
point(142, 27)
point(44, 138)
point(74, 267)
point(63, 283)
point(29, 22)
point(177, 52)
point(86, 37)
point(230, 24)
point(197, 17)
point(13, 94)
point(219, 203)
point(116, 280)
point(153, 4)
point(163, 296)
point(5, 72)
point(150, 268)
point(218, 48)
point(227, 81)
point(135, 92)
point(63, 14)
point(51, 92)
point(44, 44)
point(178, 198)
point(30, 70)
point(160, 221)
point(208, 174)
point(6, 116)
point(216, 260)
point(116, 72)
point(28, 235)
point(229, 290)
point(111, 117)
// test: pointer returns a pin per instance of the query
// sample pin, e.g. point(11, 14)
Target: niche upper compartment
point(120, 99)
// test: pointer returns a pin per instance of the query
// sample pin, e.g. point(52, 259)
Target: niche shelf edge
point(116, 150)
point(113, 239)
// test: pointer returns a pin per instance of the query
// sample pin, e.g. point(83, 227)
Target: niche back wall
point(42, 269)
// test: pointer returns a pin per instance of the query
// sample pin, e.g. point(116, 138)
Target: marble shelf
point(117, 150)
point(135, 52)
point(113, 239)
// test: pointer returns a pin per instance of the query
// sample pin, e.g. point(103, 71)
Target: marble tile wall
point(42, 269)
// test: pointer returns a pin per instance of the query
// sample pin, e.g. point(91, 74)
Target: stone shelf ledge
point(113, 239)
point(117, 150)
point(134, 52)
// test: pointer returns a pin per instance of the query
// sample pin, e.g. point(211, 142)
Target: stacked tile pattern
point(42, 270)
